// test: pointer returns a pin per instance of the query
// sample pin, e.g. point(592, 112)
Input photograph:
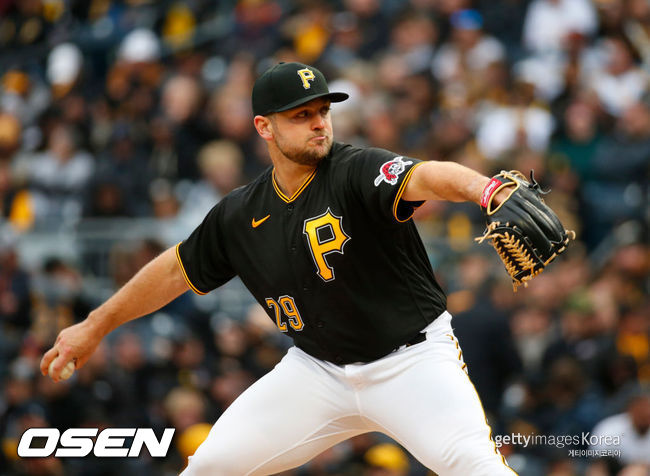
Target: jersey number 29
point(287, 306)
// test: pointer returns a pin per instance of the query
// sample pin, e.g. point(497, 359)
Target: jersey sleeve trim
point(187, 279)
point(400, 192)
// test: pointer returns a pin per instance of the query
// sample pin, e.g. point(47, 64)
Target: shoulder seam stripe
point(400, 192)
point(187, 279)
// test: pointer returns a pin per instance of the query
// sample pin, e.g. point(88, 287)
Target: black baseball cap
point(287, 85)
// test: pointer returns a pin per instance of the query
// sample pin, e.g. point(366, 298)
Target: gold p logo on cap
point(306, 75)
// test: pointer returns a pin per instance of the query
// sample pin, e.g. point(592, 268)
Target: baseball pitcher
point(325, 242)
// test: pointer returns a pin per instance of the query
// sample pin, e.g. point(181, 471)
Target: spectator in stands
point(373, 22)
point(23, 96)
point(185, 407)
point(637, 28)
point(64, 68)
point(629, 431)
point(519, 124)
point(15, 300)
point(221, 164)
point(413, 37)
point(582, 337)
point(120, 185)
point(181, 99)
point(58, 177)
point(620, 83)
point(491, 356)
point(578, 138)
point(548, 23)
point(619, 175)
point(15, 201)
point(469, 52)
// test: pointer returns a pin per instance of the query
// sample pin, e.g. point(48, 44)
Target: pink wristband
point(488, 191)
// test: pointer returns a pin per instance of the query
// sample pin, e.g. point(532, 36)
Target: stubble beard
point(311, 157)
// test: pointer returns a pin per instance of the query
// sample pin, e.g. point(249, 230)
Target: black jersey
point(339, 266)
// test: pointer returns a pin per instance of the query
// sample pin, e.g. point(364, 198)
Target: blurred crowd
point(140, 109)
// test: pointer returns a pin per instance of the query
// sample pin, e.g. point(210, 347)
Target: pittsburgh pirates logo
point(306, 75)
point(390, 171)
point(325, 235)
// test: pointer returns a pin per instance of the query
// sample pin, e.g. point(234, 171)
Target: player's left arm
point(525, 232)
point(450, 181)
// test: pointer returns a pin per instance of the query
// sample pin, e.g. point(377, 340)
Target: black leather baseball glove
point(526, 233)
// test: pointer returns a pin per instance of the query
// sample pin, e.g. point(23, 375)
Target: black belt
point(420, 337)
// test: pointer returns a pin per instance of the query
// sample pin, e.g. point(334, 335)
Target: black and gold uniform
point(339, 266)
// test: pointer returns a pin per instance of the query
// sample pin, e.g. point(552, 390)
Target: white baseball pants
point(421, 396)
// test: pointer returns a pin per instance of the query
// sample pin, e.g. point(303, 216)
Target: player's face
point(304, 134)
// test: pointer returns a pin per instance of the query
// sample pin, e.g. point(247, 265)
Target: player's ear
point(264, 127)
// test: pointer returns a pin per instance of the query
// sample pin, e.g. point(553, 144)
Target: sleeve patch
point(390, 171)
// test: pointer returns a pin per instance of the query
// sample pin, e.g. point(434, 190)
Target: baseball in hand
point(67, 371)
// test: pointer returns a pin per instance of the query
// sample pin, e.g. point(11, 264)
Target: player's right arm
point(156, 284)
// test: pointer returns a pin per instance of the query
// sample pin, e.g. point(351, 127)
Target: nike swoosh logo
point(257, 223)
